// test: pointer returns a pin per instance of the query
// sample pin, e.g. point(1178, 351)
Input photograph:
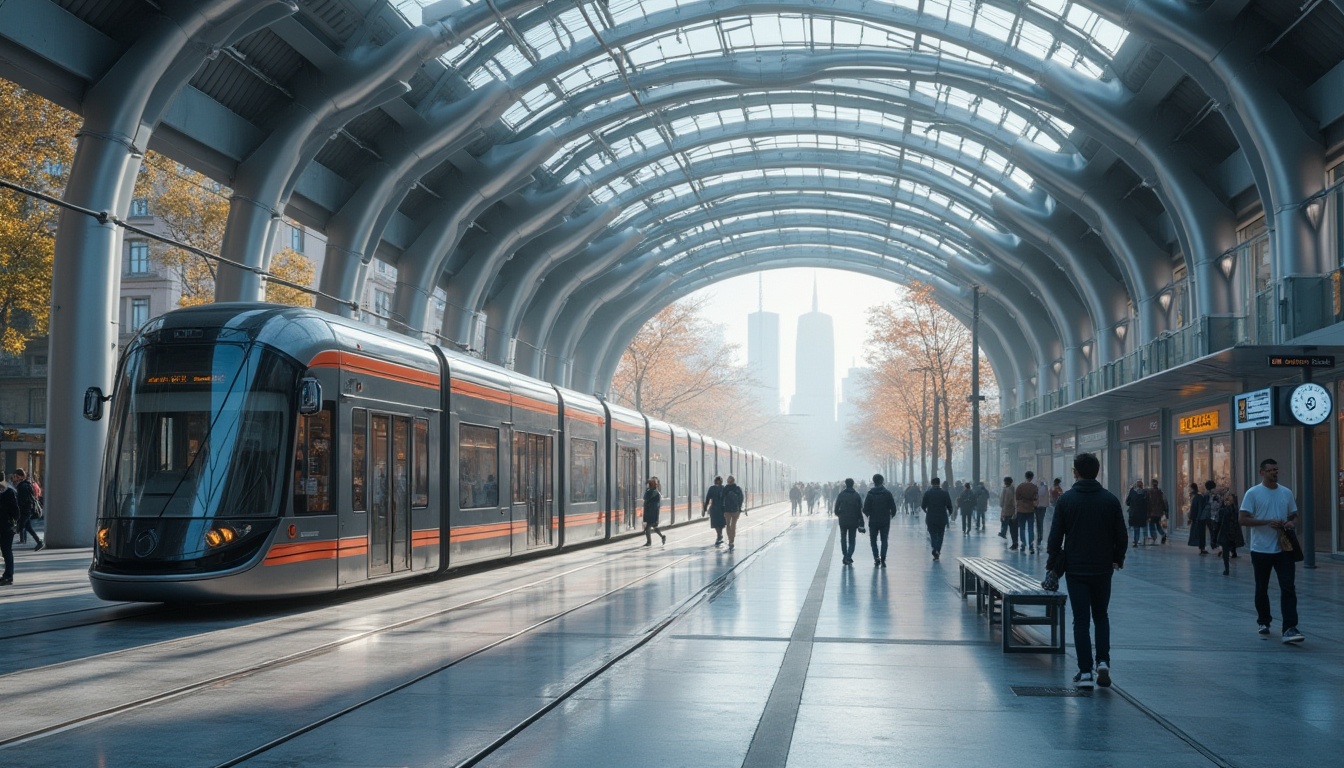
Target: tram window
point(658, 469)
point(359, 467)
point(582, 470)
point(520, 467)
point(312, 464)
point(420, 478)
point(478, 466)
point(683, 479)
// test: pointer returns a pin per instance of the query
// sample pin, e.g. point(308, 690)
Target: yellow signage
point(1199, 422)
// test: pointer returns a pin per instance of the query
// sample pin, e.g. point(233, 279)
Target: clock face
point(1310, 403)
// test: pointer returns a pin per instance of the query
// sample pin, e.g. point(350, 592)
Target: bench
point(1000, 590)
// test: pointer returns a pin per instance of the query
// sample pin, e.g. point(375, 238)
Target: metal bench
point(1001, 590)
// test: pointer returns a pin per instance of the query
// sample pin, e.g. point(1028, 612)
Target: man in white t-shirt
point(1267, 509)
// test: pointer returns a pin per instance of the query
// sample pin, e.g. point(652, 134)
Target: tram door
point(532, 495)
point(629, 488)
point(389, 494)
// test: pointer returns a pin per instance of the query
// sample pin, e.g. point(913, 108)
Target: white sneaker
point(1083, 681)
point(1103, 674)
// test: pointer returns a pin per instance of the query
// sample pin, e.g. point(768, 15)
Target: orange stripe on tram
point(360, 364)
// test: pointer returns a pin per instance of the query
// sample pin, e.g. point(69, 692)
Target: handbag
point(1288, 543)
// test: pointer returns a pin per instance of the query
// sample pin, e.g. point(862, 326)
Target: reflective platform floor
point(773, 654)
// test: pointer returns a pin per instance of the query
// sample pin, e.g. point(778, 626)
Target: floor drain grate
point(1029, 690)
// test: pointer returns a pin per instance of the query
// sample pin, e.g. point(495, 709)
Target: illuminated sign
point(1301, 361)
point(1254, 409)
point(1199, 422)
point(171, 379)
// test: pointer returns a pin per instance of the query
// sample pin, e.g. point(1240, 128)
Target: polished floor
point(685, 655)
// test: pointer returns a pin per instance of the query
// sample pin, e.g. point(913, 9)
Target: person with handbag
point(1270, 511)
point(1088, 543)
point(1227, 532)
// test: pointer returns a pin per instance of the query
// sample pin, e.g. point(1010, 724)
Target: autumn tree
point(36, 149)
point(678, 368)
point(193, 210)
point(920, 357)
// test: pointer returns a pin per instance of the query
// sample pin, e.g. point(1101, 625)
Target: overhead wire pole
point(975, 384)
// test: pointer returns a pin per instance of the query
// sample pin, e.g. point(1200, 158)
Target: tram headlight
point(103, 534)
point(221, 535)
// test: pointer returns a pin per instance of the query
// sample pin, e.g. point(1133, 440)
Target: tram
point(259, 451)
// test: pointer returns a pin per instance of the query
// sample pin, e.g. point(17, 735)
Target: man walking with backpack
point(27, 498)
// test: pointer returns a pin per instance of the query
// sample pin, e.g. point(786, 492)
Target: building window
point(37, 406)
point(137, 257)
point(137, 313)
point(382, 307)
point(140, 206)
point(296, 239)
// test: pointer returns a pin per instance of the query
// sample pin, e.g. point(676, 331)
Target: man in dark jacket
point(937, 506)
point(966, 506)
point(879, 506)
point(981, 504)
point(849, 508)
point(1089, 532)
point(734, 502)
point(27, 495)
point(9, 522)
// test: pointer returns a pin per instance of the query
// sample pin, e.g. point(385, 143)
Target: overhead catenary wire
point(107, 217)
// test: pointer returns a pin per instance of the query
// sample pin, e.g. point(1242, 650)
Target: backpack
point(38, 512)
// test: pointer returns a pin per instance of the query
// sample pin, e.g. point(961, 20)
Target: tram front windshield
point(200, 430)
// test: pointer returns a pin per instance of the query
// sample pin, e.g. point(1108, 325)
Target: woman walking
point(1137, 502)
point(653, 502)
point(1198, 519)
point(1229, 531)
point(714, 505)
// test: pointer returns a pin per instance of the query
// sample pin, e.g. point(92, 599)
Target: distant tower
point(814, 367)
point(763, 350)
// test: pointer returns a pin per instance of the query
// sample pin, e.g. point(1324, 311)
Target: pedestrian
point(1198, 517)
point(849, 509)
point(912, 497)
point(27, 497)
point(1008, 510)
point(981, 504)
point(1038, 514)
point(796, 500)
point(1228, 531)
point(1137, 504)
point(1087, 543)
point(714, 505)
point(1026, 511)
point(811, 498)
point(734, 499)
point(1270, 511)
point(9, 523)
point(966, 506)
point(1157, 510)
point(653, 502)
point(879, 506)
point(937, 506)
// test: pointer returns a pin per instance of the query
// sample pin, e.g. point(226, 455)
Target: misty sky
point(845, 296)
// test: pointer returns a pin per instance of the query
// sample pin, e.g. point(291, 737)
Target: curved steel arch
point(570, 328)
point(691, 14)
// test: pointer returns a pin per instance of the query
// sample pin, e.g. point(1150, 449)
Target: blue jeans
point(1089, 598)
point(1023, 522)
point(1138, 533)
point(936, 537)
point(874, 532)
point(847, 538)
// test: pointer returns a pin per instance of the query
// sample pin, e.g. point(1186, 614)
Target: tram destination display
point(1254, 409)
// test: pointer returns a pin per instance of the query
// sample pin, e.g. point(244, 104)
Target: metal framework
point(564, 169)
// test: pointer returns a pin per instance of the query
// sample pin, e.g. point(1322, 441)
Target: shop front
point(1095, 440)
point(1140, 450)
point(1202, 443)
point(1062, 450)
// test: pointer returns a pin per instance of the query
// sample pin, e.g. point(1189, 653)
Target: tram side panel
point(627, 437)
point(662, 457)
point(536, 429)
point(480, 526)
point(583, 452)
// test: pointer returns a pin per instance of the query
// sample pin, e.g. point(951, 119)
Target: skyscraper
point(814, 366)
point(763, 351)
